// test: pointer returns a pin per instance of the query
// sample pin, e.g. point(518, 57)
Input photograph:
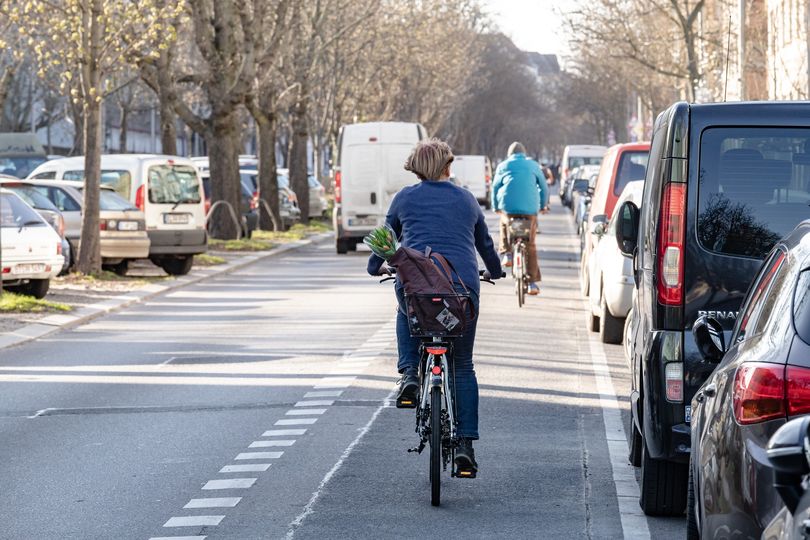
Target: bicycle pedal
point(406, 403)
point(466, 474)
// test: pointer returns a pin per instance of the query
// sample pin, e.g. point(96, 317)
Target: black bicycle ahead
point(436, 414)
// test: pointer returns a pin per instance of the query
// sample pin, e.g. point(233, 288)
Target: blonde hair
point(429, 159)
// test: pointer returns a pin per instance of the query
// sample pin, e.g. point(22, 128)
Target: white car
point(611, 275)
point(30, 250)
point(472, 172)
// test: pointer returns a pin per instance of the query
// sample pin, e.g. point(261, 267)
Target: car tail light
point(338, 182)
point(254, 202)
point(7, 270)
point(139, 202)
point(798, 390)
point(759, 392)
point(59, 248)
point(102, 225)
point(60, 225)
point(671, 245)
point(673, 373)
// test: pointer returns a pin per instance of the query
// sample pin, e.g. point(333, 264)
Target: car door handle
point(373, 198)
point(710, 390)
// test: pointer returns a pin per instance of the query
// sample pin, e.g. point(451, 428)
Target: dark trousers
point(465, 383)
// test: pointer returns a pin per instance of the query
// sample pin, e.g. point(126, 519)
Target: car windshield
point(109, 200)
point(32, 197)
point(173, 184)
point(119, 180)
point(251, 179)
point(15, 213)
point(632, 166)
point(20, 166)
point(581, 184)
point(754, 188)
point(283, 181)
point(579, 161)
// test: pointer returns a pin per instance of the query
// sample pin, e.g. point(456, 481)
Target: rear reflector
point(673, 373)
point(436, 370)
point(139, 202)
point(436, 350)
point(759, 392)
point(338, 179)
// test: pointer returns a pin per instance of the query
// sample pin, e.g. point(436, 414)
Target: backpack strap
point(449, 269)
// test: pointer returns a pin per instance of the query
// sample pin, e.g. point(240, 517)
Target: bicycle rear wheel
point(520, 274)
point(435, 445)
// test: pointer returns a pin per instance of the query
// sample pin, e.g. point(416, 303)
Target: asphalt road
point(254, 405)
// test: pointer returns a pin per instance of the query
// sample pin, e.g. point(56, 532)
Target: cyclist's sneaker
point(533, 289)
point(506, 261)
point(466, 467)
point(408, 391)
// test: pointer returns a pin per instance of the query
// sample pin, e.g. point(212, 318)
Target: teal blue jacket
point(520, 186)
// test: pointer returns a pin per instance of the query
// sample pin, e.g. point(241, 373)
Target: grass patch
point(17, 303)
point(106, 280)
point(243, 244)
point(204, 259)
point(265, 240)
point(90, 279)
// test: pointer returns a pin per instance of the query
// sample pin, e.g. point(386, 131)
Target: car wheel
point(342, 246)
point(119, 269)
point(584, 278)
point(37, 288)
point(593, 321)
point(663, 485)
point(692, 529)
point(611, 328)
point(177, 266)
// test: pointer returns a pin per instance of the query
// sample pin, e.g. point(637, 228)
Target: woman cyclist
point(436, 213)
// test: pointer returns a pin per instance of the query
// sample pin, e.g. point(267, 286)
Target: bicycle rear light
point(436, 350)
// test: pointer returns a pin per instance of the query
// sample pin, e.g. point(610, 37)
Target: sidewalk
point(34, 326)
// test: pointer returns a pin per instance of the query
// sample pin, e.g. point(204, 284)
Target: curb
point(54, 323)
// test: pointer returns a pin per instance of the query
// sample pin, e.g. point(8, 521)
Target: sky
point(534, 25)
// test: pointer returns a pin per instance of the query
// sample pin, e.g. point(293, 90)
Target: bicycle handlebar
point(390, 274)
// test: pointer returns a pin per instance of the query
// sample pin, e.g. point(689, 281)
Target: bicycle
point(519, 232)
point(436, 422)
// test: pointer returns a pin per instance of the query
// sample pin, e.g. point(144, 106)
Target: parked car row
point(707, 247)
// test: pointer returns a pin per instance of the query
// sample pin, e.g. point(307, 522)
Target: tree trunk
point(223, 151)
point(168, 123)
point(268, 179)
point(298, 156)
point(122, 135)
point(89, 260)
point(78, 129)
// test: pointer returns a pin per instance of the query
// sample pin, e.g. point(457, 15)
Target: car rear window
point(172, 184)
point(14, 212)
point(801, 306)
point(754, 188)
point(119, 180)
point(579, 161)
point(33, 198)
point(632, 166)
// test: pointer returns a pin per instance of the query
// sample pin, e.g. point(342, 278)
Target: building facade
point(788, 49)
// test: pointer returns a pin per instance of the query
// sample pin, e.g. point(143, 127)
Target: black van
point(724, 183)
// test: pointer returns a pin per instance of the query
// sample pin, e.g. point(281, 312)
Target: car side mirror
point(627, 228)
point(708, 334)
point(599, 224)
point(788, 457)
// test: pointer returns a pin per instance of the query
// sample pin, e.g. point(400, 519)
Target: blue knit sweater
point(446, 218)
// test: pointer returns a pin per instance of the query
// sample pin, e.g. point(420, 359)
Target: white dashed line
point(268, 444)
point(304, 412)
point(231, 483)
point(283, 432)
point(253, 467)
point(194, 521)
point(258, 455)
point(295, 422)
point(316, 403)
point(325, 393)
point(225, 502)
point(178, 538)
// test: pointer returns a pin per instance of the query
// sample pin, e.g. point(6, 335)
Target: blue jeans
point(466, 384)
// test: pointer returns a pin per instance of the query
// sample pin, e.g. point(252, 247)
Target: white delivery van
point(581, 154)
point(370, 171)
point(471, 172)
point(166, 189)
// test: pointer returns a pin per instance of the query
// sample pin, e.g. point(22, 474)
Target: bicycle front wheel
point(435, 445)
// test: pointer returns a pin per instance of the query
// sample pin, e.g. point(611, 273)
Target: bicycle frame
point(438, 360)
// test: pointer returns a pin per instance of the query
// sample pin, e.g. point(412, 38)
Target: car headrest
point(741, 154)
point(753, 179)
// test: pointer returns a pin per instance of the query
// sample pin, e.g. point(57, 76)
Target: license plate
point(127, 225)
point(175, 219)
point(29, 269)
point(688, 413)
point(362, 222)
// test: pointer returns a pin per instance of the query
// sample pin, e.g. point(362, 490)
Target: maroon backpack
point(434, 306)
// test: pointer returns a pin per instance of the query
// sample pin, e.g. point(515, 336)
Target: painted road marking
point(268, 444)
point(283, 432)
point(230, 483)
point(258, 455)
point(224, 502)
point(178, 538)
point(194, 521)
point(634, 522)
point(324, 393)
point(304, 412)
point(316, 403)
point(335, 382)
point(252, 467)
point(295, 421)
